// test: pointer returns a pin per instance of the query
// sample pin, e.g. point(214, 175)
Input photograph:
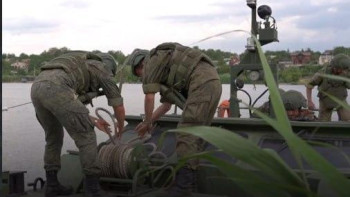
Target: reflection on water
point(23, 138)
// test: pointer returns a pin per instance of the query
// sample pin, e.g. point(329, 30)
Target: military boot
point(92, 187)
point(184, 183)
point(53, 187)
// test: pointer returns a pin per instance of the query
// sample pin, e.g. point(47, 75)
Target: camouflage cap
point(340, 61)
point(135, 58)
point(109, 62)
point(293, 99)
point(281, 91)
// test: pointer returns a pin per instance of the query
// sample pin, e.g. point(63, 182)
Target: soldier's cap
point(135, 58)
point(281, 91)
point(340, 61)
point(109, 62)
point(293, 99)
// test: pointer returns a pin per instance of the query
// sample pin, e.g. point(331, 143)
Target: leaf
point(338, 101)
point(336, 77)
point(238, 147)
point(333, 177)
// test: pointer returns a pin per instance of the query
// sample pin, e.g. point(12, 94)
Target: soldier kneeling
point(294, 102)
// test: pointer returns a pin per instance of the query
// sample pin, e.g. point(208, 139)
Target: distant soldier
point(338, 66)
point(295, 103)
point(55, 94)
point(186, 77)
point(265, 107)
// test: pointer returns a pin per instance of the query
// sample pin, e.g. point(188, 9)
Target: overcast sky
point(33, 26)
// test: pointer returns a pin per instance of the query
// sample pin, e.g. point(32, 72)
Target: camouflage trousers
point(325, 114)
point(199, 109)
point(56, 107)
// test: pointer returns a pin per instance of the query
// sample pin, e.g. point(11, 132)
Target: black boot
point(184, 183)
point(92, 187)
point(53, 187)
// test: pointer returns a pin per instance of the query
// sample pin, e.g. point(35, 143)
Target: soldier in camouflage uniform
point(55, 94)
point(265, 107)
point(185, 77)
point(339, 65)
point(294, 103)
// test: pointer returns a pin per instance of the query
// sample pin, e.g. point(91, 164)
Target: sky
point(33, 26)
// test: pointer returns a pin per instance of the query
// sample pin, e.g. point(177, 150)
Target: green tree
point(23, 56)
point(11, 55)
point(277, 56)
point(118, 56)
point(290, 75)
point(341, 49)
point(6, 67)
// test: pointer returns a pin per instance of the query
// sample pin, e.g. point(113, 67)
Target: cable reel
point(122, 159)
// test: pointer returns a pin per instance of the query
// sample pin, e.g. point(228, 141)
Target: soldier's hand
point(311, 105)
point(143, 127)
point(118, 130)
point(102, 125)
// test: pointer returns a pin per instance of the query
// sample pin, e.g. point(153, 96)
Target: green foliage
point(220, 58)
point(295, 74)
point(21, 72)
point(23, 56)
point(225, 69)
point(217, 54)
point(315, 56)
point(11, 78)
point(277, 56)
point(6, 67)
point(225, 78)
point(338, 50)
point(292, 74)
point(118, 56)
point(274, 177)
point(339, 183)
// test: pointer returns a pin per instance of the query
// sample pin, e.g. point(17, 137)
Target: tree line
point(220, 58)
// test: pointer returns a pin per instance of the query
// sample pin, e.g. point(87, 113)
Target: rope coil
point(121, 160)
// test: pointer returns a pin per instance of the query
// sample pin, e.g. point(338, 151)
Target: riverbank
point(224, 80)
point(17, 79)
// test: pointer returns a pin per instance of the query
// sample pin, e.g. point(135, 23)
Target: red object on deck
point(224, 109)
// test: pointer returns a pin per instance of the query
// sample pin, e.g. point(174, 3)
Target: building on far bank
point(301, 57)
point(24, 64)
point(325, 57)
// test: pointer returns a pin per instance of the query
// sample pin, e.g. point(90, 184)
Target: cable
point(100, 117)
point(250, 100)
point(262, 94)
point(7, 108)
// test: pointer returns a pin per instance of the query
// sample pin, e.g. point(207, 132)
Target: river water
point(23, 138)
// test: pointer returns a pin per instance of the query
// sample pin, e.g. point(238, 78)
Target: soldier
point(185, 77)
point(294, 103)
point(338, 66)
point(265, 107)
point(55, 94)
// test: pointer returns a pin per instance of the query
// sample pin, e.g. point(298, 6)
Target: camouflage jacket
point(82, 74)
